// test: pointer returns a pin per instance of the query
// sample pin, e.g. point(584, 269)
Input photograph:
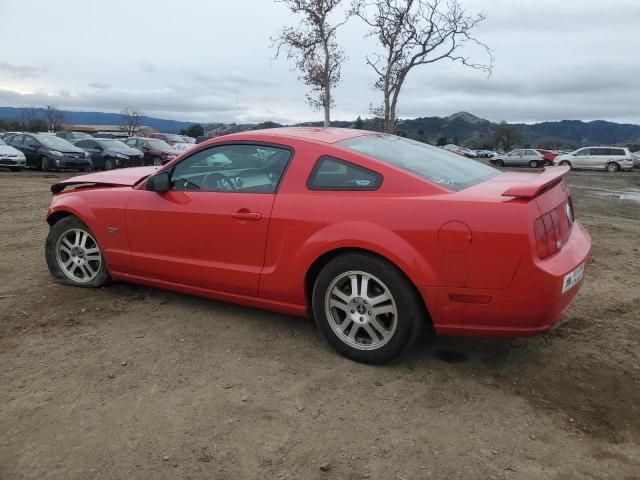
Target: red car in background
point(548, 155)
point(373, 235)
point(169, 138)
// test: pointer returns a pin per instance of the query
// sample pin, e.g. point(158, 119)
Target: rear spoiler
point(549, 177)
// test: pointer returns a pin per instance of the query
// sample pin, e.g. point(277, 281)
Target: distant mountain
point(101, 118)
point(461, 128)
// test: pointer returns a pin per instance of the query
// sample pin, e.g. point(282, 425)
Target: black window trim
point(227, 143)
point(316, 167)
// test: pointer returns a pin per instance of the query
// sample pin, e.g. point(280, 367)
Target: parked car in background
point(48, 152)
point(11, 157)
point(5, 135)
point(188, 139)
point(107, 153)
point(203, 138)
point(549, 155)
point(183, 147)
point(156, 152)
point(636, 160)
point(117, 136)
point(73, 136)
point(521, 157)
point(302, 220)
point(170, 138)
point(611, 159)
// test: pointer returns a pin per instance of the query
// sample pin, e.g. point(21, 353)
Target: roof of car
point(318, 134)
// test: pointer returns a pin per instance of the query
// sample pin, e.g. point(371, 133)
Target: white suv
point(610, 159)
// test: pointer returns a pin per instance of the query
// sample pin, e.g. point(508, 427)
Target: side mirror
point(158, 183)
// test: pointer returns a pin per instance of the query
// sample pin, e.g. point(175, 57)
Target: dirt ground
point(131, 382)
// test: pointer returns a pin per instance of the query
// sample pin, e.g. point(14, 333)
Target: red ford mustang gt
point(373, 235)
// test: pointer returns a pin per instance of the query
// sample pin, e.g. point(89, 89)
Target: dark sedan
point(48, 152)
point(107, 153)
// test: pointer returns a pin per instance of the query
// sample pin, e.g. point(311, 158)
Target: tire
point(109, 163)
point(499, 163)
point(348, 321)
point(533, 164)
point(65, 244)
point(44, 164)
point(15, 169)
point(157, 162)
point(612, 167)
point(565, 163)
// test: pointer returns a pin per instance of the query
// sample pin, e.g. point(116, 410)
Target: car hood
point(9, 150)
point(125, 177)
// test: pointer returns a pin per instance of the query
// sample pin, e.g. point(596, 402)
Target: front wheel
point(499, 163)
point(157, 162)
point(533, 164)
point(73, 255)
point(565, 163)
point(366, 308)
point(109, 164)
point(44, 163)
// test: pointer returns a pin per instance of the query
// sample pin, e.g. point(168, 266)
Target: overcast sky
point(187, 60)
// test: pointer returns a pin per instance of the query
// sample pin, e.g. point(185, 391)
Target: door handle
point(245, 214)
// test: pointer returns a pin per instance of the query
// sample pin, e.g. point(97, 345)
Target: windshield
point(160, 145)
point(116, 144)
point(431, 163)
point(56, 143)
point(174, 138)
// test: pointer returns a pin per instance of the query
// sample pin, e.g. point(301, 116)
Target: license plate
point(572, 278)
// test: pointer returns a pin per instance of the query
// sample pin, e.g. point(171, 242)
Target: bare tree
point(313, 48)
point(413, 33)
point(55, 118)
point(26, 117)
point(131, 121)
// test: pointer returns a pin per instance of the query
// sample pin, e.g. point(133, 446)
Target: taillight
point(548, 234)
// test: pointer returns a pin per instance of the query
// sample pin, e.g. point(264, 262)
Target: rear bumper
point(531, 304)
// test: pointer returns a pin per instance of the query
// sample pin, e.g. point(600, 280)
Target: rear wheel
point(612, 167)
point(73, 255)
point(366, 308)
point(533, 164)
point(565, 163)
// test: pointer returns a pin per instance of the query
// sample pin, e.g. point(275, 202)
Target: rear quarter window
point(331, 173)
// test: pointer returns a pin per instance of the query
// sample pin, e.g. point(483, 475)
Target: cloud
point(20, 71)
point(99, 86)
point(148, 67)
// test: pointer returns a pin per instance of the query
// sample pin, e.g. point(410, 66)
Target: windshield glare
point(56, 143)
point(436, 165)
point(116, 144)
point(174, 138)
point(160, 145)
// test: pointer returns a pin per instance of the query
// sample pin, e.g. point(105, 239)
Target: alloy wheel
point(157, 162)
point(361, 310)
point(78, 255)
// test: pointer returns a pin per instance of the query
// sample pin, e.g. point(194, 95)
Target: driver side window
point(232, 168)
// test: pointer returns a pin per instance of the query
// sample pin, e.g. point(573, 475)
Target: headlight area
point(55, 153)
